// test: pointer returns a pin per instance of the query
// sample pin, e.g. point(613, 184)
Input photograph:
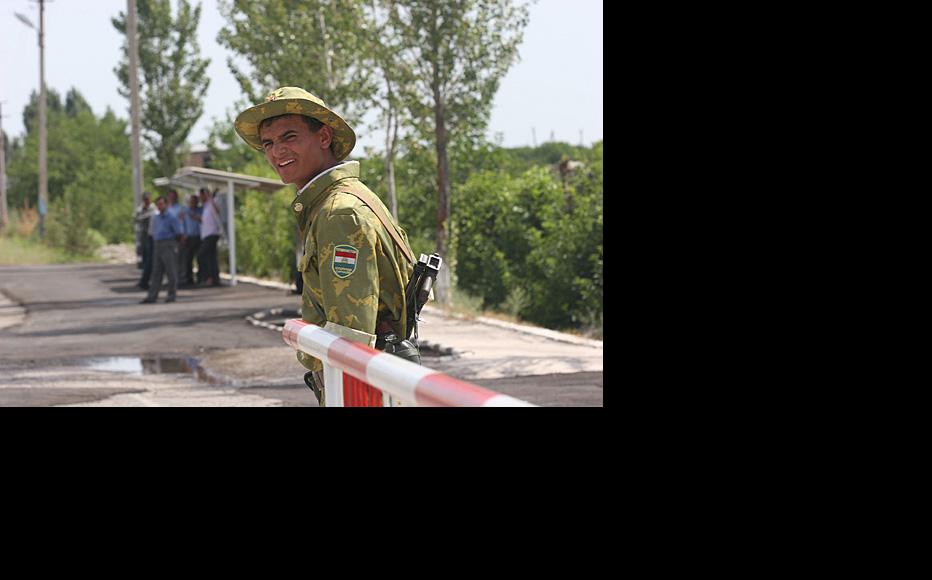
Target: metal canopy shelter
point(194, 178)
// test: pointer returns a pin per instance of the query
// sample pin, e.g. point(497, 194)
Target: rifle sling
point(376, 208)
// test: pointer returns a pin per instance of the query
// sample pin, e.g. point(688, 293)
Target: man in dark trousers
point(142, 220)
point(211, 228)
point(191, 219)
point(167, 232)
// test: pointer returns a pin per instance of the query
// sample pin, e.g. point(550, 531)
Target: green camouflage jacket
point(354, 275)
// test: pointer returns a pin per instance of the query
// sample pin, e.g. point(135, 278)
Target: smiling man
point(357, 260)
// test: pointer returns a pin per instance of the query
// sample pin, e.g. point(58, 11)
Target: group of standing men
point(169, 236)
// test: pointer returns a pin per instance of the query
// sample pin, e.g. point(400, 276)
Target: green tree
point(415, 187)
point(266, 234)
point(75, 103)
point(382, 41)
point(104, 187)
point(457, 52)
point(227, 151)
point(313, 44)
point(77, 142)
point(498, 223)
point(532, 246)
point(564, 274)
point(173, 80)
point(53, 105)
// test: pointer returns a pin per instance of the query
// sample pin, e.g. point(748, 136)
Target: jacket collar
point(322, 182)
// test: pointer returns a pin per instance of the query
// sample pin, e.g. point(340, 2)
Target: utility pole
point(4, 216)
point(43, 145)
point(131, 36)
point(533, 137)
point(43, 142)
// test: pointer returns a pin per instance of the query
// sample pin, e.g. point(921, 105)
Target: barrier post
point(335, 384)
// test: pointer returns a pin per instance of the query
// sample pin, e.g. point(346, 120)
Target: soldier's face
point(297, 153)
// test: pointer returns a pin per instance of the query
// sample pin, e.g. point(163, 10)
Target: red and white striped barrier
point(356, 375)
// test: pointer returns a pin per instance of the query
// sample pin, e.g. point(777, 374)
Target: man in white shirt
point(208, 268)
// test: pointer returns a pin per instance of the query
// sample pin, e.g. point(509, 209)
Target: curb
point(258, 318)
point(259, 282)
point(536, 331)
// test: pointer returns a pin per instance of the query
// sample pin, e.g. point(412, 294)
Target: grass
point(17, 251)
point(470, 307)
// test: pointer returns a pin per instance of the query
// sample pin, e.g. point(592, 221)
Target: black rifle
point(418, 289)
point(417, 292)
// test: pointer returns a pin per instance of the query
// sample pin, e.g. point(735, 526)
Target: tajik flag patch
point(344, 260)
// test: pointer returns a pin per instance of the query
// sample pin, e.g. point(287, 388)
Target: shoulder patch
point(344, 260)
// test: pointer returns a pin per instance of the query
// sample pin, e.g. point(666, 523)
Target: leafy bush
point(565, 271)
point(68, 228)
point(497, 224)
point(531, 248)
point(266, 232)
point(105, 186)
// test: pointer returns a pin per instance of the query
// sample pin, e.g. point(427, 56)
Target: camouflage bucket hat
point(295, 101)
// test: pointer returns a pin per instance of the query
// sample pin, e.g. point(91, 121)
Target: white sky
point(555, 89)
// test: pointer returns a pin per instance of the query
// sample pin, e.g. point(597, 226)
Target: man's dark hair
point(160, 198)
point(313, 124)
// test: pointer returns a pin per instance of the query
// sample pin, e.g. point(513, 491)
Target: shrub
point(68, 228)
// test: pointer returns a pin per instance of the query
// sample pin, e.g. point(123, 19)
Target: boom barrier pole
point(367, 372)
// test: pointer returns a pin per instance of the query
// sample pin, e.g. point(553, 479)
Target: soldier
point(357, 260)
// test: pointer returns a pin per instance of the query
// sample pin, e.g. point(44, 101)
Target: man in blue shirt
point(173, 206)
point(191, 218)
point(167, 231)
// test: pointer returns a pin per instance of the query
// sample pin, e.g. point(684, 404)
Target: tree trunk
point(444, 285)
point(4, 212)
point(331, 82)
point(391, 139)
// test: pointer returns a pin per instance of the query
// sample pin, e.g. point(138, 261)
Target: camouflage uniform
point(354, 274)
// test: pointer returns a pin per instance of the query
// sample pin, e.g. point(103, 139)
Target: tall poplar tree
point(382, 42)
point(173, 80)
point(457, 52)
point(312, 44)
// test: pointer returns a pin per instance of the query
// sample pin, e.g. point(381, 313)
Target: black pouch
point(404, 348)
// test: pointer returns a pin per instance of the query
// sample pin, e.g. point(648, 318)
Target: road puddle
point(151, 365)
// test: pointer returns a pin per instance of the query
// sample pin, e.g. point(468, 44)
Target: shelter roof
point(197, 177)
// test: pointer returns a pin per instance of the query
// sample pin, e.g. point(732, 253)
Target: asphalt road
point(76, 335)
